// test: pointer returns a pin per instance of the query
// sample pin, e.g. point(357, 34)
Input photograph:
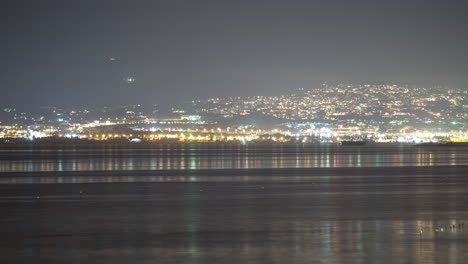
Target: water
point(193, 157)
point(230, 204)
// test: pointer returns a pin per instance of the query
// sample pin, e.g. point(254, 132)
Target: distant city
point(331, 113)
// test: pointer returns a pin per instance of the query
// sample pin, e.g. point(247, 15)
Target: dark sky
point(59, 52)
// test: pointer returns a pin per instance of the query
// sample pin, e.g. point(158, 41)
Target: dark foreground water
point(289, 205)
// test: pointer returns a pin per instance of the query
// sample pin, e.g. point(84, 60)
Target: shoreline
point(103, 144)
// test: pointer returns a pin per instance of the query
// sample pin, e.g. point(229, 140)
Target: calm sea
point(235, 204)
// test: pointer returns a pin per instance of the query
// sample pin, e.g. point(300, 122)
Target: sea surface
point(227, 204)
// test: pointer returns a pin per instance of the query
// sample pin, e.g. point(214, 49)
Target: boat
point(353, 143)
point(443, 144)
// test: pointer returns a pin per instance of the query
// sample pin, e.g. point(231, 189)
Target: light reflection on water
point(235, 205)
point(238, 223)
point(235, 157)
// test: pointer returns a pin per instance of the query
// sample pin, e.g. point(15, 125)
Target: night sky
point(84, 53)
